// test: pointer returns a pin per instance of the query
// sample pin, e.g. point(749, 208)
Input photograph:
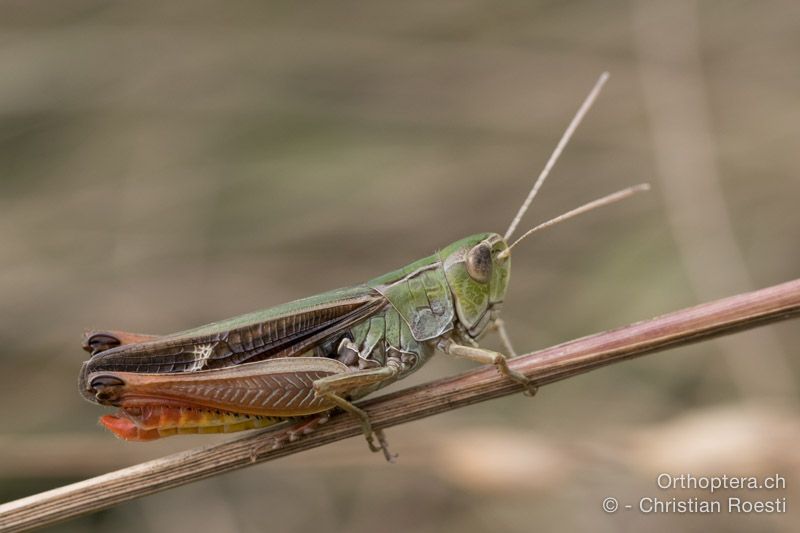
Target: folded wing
point(289, 330)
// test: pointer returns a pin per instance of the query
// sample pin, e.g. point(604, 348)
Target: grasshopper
point(300, 360)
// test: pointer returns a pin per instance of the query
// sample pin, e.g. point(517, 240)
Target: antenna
point(576, 120)
point(605, 200)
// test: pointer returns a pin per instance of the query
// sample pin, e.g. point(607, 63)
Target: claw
point(390, 457)
point(530, 388)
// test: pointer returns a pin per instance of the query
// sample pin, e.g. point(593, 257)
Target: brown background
point(166, 164)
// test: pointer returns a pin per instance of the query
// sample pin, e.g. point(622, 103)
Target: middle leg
point(334, 388)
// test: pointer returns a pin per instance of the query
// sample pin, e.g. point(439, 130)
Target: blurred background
point(167, 164)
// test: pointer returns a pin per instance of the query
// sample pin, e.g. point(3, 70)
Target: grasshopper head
point(477, 273)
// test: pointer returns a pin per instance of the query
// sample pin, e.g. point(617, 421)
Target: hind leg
point(95, 342)
point(302, 426)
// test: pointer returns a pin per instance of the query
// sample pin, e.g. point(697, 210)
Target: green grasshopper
point(300, 360)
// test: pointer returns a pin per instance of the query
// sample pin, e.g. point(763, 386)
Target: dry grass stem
point(694, 324)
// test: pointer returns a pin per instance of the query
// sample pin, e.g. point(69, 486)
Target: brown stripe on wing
point(286, 336)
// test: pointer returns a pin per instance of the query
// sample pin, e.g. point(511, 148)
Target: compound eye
point(479, 263)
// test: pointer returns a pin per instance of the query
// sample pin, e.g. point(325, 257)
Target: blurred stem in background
point(666, 35)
